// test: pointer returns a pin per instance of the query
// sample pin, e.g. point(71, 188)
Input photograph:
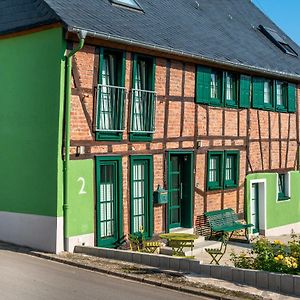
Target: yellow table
point(178, 241)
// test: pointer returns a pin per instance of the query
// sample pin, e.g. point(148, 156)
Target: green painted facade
point(32, 91)
point(81, 207)
point(278, 213)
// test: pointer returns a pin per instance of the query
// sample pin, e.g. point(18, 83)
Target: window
point(214, 170)
point(222, 169)
point(219, 88)
point(262, 93)
point(230, 89)
point(143, 99)
point(215, 87)
point(231, 169)
point(110, 96)
point(283, 187)
point(141, 192)
point(281, 96)
point(127, 3)
point(278, 40)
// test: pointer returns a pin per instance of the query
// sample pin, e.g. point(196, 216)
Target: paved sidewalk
point(189, 283)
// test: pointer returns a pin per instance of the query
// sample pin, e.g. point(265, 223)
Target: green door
point(255, 207)
point(109, 204)
point(175, 190)
point(141, 195)
point(180, 190)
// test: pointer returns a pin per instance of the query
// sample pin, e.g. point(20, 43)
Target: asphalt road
point(23, 277)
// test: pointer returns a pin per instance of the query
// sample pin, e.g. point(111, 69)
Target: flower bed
point(271, 256)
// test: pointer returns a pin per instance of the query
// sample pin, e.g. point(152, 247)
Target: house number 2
point(82, 190)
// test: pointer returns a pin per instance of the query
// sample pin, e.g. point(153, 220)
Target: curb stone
point(173, 286)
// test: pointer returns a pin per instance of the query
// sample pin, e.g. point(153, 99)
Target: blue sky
point(285, 13)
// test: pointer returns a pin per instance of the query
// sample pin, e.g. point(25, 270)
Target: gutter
point(189, 55)
point(81, 35)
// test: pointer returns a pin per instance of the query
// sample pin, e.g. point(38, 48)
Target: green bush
point(271, 256)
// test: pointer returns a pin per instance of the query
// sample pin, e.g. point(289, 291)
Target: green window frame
point(231, 169)
point(215, 170)
point(109, 200)
point(230, 89)
point(110, 95)
point(263, 94)
point(268, 94)
point(282, 187)
point(209, 86)
point(281, 95)
point(215, 87)
point(222, 170)
point(143, 98)
point(141, 194)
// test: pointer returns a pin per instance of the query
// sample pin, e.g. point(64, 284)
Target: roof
point(17, 15)
point(224, 31)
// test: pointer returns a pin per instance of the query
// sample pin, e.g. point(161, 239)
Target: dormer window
point(279, 41)
point(133, 4)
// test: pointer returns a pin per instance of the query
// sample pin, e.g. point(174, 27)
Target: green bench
point(225, 220)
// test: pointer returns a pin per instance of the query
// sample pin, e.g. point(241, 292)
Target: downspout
point(69, 57)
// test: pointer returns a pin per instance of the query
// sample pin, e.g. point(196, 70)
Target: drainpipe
point(69, 57)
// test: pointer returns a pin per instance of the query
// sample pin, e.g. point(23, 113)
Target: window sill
point(281, 109)
point(133, 137)
point(267, 107)
point(108, 136)
point(214, 188)
point(283, 198)
point(230, 187)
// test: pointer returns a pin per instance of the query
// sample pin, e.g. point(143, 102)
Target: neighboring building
point(199, 97)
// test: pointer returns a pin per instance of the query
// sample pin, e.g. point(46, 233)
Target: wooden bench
point(225, 220)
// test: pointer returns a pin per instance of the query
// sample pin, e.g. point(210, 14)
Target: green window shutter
point(245, 84)
point(292, 97)
point(258, 92)
point(203, 85)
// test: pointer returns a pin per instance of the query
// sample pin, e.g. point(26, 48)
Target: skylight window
point(127, 3)
point(274, 37)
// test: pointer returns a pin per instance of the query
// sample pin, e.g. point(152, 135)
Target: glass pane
point(213, 165)
point(175, 215)
point(175, 163)
point(175, 198)
point(138, 195)
point(267, 91)
point(106, 198)
point(175, 181)
point(229, 168)
point(281, 183)
point(229, 86)
point(279, 93)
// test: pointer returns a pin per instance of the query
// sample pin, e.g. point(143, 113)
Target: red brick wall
point(271, 137)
